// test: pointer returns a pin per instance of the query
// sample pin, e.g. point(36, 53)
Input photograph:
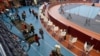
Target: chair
point(87, 48)
point(55, 29)
point(41, 15)
point(72, 40)
point(49, 25)
point(45, 20)
point(62, 34)
point(90, 48)
point(41, 7)
point(85, 45)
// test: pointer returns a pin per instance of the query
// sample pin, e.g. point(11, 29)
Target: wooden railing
point(82, 37)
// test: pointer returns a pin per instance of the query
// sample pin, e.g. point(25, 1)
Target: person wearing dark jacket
point(36, 15)
point(18, 17)
point(32, 28)
point(24, 15)
point(30, 10)
point(33, 12)
point(41, 33)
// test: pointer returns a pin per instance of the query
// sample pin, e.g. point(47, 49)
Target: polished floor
point(46, 45)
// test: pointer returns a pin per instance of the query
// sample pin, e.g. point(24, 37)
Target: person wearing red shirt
point(24, 26)
point(37, 39)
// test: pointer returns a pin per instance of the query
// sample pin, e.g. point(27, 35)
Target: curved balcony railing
point(77, 48)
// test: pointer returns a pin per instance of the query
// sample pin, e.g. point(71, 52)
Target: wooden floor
point(76, 48)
